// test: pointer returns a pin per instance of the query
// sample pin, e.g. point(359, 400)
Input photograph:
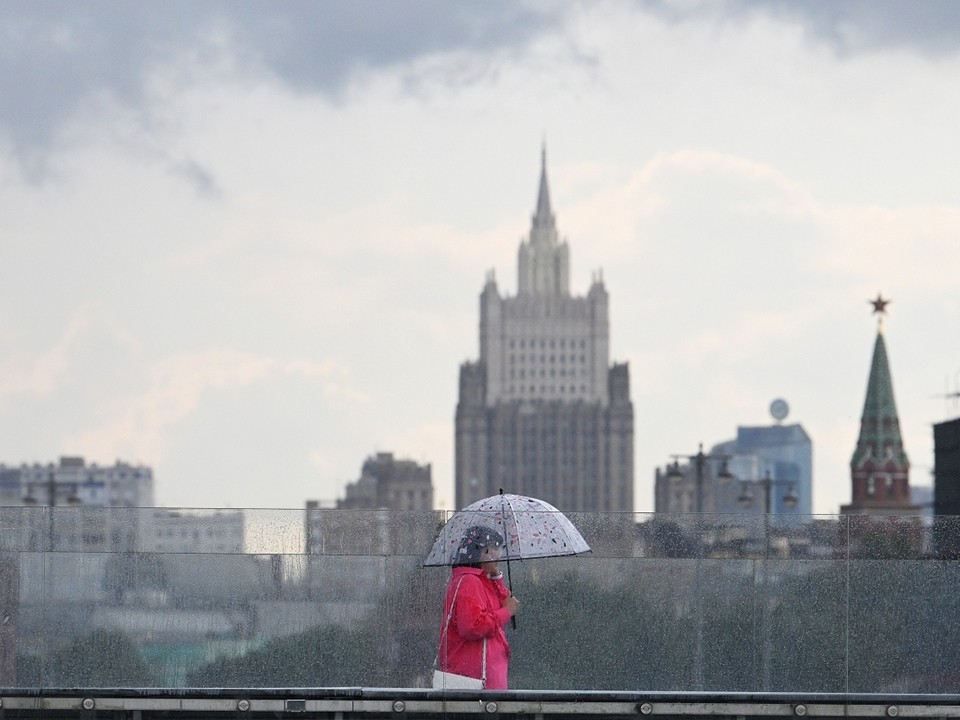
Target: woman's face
point(488, 559)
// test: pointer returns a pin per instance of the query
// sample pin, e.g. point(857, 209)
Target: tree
point(101, 659)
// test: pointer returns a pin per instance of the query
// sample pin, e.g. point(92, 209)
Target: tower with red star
point(880, 469)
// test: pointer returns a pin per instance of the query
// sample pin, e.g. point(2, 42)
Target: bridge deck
point(347, 703)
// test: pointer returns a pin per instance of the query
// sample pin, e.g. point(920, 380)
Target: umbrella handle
point(513, 618)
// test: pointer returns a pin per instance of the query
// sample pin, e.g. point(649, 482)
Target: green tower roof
point(879, 424)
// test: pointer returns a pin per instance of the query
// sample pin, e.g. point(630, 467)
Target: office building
point(782, 453)
point(946, 487)
point(387, 483)
point(77, 507)
point(542, 412)
point(72, 482)
point(191, 531)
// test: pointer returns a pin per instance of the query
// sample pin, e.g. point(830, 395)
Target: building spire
point(879, 467)
point(543, 218)
point(880, 424)
point(543, 261)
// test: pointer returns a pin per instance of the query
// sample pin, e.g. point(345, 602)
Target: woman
point(481, 607)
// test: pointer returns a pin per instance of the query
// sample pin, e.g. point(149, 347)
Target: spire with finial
point(880, 425)
point(543, 261)
point(880, 309)
point(880, 467)
point(543, 218)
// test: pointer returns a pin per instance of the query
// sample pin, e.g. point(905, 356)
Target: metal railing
point(724, 605)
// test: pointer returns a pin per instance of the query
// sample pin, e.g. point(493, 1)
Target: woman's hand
point(511, 604)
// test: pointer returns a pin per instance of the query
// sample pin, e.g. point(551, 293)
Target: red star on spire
point(879, 305)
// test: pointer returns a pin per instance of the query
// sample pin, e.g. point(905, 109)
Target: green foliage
point(393, 646)
point(616, 624)
point(101, 659)
point(133, 571)
point(887, 544)
point(321, 657)
point(575, 635)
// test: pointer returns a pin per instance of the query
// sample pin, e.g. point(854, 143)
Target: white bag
point(451, 681)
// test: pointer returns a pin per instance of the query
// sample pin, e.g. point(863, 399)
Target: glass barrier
point(160, 598)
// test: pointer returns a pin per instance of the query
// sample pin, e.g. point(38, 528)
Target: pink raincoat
point(479, 613)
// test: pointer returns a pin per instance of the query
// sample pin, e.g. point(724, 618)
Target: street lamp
point(49, 486)
point(699, 462)
point(767, 483)
point(789, 501)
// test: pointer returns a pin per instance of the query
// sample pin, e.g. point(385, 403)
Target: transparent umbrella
point(531, 528)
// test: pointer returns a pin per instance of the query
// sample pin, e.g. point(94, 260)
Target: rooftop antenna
point(948, 395)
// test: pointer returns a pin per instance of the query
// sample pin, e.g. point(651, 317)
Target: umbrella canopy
point(531, 528)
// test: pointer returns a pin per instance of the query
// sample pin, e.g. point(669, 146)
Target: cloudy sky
point(243, 242)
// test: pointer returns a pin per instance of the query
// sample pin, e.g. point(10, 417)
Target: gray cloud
point(928, 27)
point(55, 55)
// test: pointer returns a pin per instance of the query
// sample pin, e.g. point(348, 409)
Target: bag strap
point(446, 625)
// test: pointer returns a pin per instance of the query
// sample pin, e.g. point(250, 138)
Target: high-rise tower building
point(542, 412)
point(880, 470)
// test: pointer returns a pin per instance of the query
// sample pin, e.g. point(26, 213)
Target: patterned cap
point(475, 540)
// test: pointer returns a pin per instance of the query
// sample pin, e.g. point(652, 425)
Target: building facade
point(782, 453)
point(191, 531)
point(387, 483)
point(73, 506)
point(946, 487)
point(72, 482)
point(366, 541)
point(543, 412)
point(383, 511)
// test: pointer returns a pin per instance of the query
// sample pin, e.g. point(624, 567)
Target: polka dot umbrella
point(531, 528)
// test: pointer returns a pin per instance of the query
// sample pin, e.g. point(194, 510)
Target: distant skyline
point(244, 243)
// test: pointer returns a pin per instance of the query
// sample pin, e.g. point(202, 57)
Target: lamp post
point(699, 462)
point(790, 499)
point(746, 500)
point(49, 487)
